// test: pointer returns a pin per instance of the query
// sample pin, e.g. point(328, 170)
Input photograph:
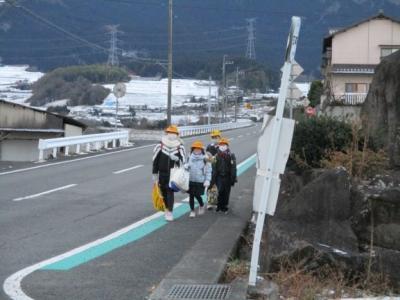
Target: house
point(22, 126)
point(350, 56)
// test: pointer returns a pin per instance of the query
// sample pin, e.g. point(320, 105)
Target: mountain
point(203, 29)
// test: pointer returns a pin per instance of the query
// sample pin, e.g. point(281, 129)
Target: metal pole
point(116, 113)
point(267, 185)
point(237, 88)
point(170, 24)
point(224, 88)
point(209, 100)
point(291, 97)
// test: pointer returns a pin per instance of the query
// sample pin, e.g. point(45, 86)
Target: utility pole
point(209, 100)
point(223, 87)
point(170, 26)
point(237, 89)
point(113, 51)
point(224, 63)
point(251, 38)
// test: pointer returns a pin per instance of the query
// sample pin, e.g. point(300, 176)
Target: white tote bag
point(180, 177)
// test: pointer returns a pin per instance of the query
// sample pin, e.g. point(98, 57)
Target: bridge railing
point(202, 129)
point(95, 141)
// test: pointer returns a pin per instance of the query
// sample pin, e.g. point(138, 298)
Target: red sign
point(311, 111)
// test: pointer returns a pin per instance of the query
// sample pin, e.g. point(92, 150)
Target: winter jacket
point(162, 162)
point(199, 168)
point(225, 166)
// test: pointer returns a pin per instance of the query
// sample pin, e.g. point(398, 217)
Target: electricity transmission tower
point(251, 38)
point(113, 31)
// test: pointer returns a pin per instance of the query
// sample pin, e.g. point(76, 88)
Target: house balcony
point(351, 98)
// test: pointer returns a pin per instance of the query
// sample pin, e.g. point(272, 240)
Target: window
point(388, 51)
point(357, 87)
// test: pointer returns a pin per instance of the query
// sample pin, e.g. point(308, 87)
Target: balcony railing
point(351, 98)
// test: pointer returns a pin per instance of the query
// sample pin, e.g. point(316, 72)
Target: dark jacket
point(162, 163)
point(212, 149)
point(225, 166)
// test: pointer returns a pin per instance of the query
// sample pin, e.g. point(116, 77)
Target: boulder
point(324, 199)
point(326, 219)
point(381, 110)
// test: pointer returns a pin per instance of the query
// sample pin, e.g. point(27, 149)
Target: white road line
point(240, 136)
point(12, 285)
point(45, 193)
point(128, 169)
point(75, 160)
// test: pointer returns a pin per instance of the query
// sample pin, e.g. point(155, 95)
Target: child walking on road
point(168, 153)
point(224, 174)
point(200, 176)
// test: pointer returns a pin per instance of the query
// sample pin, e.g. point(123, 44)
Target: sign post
point(270, 186)
point(119, 91)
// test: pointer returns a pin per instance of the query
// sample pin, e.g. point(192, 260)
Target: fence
point(353, 98)
point(90, 141)
point(95, 141)
point(202, 129)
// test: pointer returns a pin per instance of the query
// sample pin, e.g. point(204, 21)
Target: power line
point(54, 26)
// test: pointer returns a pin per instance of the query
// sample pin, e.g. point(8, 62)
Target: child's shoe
point(201, 210)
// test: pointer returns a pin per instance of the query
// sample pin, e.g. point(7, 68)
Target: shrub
point(359, 159)
point(360, 164)
point(76, 84)
point(315, 138)
point(315, 93)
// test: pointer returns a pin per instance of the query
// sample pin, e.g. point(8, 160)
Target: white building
point(351, 54)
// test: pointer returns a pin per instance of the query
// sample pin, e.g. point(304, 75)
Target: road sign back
point(119, 90)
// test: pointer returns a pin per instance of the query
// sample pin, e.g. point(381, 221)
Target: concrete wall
point(361, 44)
point(19, 150)
point(22, 146)
point(72, 130)
point(345, 113)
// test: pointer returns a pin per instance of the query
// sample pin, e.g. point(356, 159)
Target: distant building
point(350, 56)
point(22, 126)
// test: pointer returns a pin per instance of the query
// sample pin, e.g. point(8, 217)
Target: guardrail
point(202, 129)
point(91, 141)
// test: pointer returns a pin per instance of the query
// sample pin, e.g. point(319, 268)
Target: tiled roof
point(353, 69)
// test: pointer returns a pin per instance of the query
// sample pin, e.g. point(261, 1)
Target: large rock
point(324, 218)
point(326, 198)
point(316, 214)
point(381, 110)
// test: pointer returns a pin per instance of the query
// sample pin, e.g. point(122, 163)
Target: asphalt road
point(50, 210)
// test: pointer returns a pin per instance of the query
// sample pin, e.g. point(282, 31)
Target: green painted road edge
point(131, 236)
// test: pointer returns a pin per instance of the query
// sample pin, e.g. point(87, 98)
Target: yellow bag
point(158, 201)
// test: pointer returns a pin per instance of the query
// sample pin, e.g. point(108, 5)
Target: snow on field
point(153, 93)
point(10, 76)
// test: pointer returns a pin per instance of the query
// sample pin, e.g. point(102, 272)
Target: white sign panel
point(294, 92)
point(263, 150)
point(296, 70)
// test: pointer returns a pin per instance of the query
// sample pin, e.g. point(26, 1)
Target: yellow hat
point(224, 141)
point(172, 129)
point(215, 133)
point(198, 145)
